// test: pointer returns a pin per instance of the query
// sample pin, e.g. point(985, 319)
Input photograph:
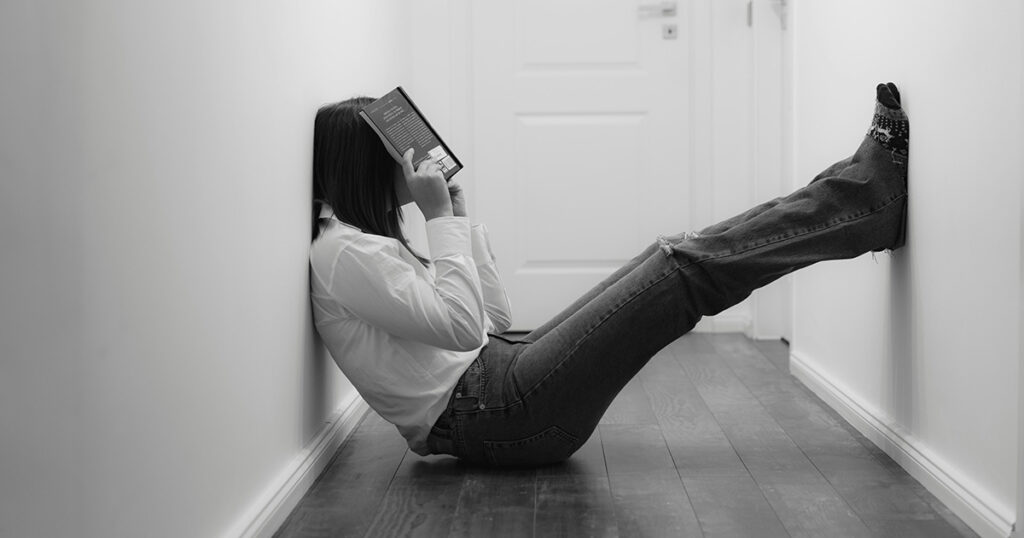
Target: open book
point(402, 126)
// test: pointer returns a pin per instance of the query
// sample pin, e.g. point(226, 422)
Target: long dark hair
point(353, 173)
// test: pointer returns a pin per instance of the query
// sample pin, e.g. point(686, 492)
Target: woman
point(417, 337)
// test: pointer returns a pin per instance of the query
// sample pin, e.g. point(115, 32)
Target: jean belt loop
point(467, 391)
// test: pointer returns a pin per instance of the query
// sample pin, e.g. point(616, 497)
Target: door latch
point(661, 9)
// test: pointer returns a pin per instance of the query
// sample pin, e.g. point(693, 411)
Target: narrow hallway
point(163, 374)
point(713, 438)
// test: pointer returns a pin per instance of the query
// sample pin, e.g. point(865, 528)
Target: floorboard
point(418, 507)
point(635, 449)
point(344, 499)
point(713, 438)
point(496, 503)
point(574, 506)
point(652, 503)
point(630, 407)
point(733, 506)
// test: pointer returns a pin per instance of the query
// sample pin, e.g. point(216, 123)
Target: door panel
point(581, 141)
point(570, 34)
point(562, 191)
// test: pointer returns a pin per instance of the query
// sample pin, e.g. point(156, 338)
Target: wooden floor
point(713, 438)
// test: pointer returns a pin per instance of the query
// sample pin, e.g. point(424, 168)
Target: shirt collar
point(327, 213)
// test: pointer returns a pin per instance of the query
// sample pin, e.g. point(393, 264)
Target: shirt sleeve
point(384, 290)
point(496, 302)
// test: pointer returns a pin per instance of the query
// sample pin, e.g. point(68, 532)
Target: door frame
point(1017, 532)
point(772, 306)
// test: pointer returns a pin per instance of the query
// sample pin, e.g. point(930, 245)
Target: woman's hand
point(427, 187)
point(458, 198)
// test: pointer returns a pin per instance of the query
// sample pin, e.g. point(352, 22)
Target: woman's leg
point(537, 333)
point(725, 225)
point(717, 228)
point(566, 379)
point(632, 264)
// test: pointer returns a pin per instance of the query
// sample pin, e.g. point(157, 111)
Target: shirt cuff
point(482, 253)
point(448, 236)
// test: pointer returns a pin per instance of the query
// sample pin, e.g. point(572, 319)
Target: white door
point(582, 139)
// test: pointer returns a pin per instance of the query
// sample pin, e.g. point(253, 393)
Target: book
point(400, 125)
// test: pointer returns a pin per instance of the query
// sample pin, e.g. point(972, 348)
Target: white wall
point(158, 368)
point(924, 344)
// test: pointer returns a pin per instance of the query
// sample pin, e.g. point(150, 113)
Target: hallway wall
point(920, 349)
point(158, 368)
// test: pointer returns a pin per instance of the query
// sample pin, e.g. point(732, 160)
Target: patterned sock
point(890, 126)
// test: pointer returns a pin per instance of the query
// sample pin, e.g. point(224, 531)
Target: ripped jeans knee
point(666, 242)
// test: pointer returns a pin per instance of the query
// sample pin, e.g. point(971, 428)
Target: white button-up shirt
point(403, 333)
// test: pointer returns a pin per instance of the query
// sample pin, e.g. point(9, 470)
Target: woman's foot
point(890, 127)
point(888, 95)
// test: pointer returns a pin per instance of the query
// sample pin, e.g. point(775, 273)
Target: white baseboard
point(725, 323)
point(764, 336)
point(281, 496)
point(969, 502)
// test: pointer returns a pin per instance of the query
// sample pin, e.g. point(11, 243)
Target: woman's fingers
point(458, 198)
point(428, 165)
point(407, 162)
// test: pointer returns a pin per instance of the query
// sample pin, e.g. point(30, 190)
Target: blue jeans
point(535, 400)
